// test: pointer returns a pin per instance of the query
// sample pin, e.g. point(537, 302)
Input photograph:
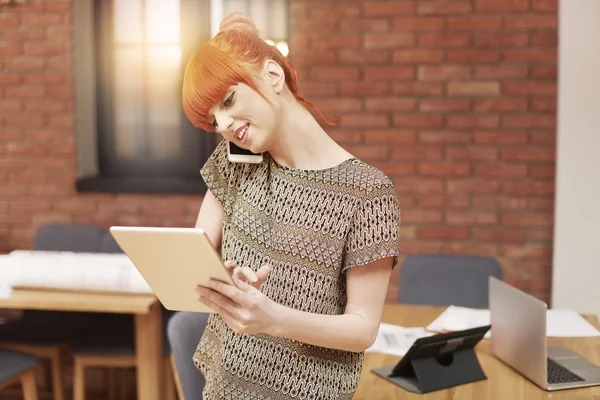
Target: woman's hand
point(244, 308)
point(246, 274)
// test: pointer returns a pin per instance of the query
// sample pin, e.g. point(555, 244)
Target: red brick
point(444, 169)
point(540, 235)
point(526, 252)
point(444, 40)
point(500, 137)
point(472, 186)
point(22, 35)
point(528, 219)
point(531, 21)
point(315, 26)
point(418, 88)
point(542, 204)
point(10, 49)
point(63, 92)
point(343, 136)
point(417, 247)
point(364, 88)
point(394, 169)
point(334, 72)
point(436, 104)
point(24, 62)
point(365, 25)
point(390, 104)
point(548, 38)
point(443, 201)
point(388, 40)
point(332, 42)
point(338, 104)
point(410, 184)
point(44, 77)
point(543, 171)
point(445, 137)
point(500, 203)
point(25, 119)
point(365, 120)
point(544, 72)
point(525, 188)
point(542, 136)
point(418, 56)
point(45, 48)
point(309, 58)
point(63, 121)
point(57, 5)
point(333, 9)
point(473, 88)
point(369, 152)
point(45, 105)
point(8, 105)
point(418, 24)
point(418, 121)
point(471, 217)
point(316, 89)
point(393, 73)
point(497, 170)
point(475, 23)
point(499, 235)
point(472, 56)
point(391, 136)
point(443, 233)
point(500, 104)
point(362, 56)
point(500, 71)
point(443, 7)
point(7, 78)
point(469, 248)
point(416, 152)
point(498, 39)
point(530, 55)
point(396, 7)
point(443, 72)
point(9, 20)
point(472, 121)
point(531, 154)
point(501, 6)
point(417, 216)
point(481, 153)
point(43, 19)
point(529, 88)
point(529, 120)
point(544, 5)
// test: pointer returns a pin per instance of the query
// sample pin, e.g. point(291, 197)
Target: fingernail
point(254, 279)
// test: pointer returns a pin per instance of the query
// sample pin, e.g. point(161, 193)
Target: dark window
point(145, 141)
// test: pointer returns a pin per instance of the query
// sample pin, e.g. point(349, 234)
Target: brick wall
point(455, 100)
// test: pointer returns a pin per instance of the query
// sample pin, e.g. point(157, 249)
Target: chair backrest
point(69, 237)
point(447, 279)
point(14, 363)
point(184, 331)
point(109, 244)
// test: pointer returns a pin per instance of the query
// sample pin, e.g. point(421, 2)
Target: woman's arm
point(247, 310)
point(210, 219)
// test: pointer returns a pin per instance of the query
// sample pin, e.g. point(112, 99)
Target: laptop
point(519, 340)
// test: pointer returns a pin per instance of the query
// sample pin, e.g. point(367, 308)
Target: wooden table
point(148, 324)
point(503, 383)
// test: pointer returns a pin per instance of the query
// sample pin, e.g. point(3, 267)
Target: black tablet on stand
point(438, 362)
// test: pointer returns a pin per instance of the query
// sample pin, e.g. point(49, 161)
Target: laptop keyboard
point(559, 374)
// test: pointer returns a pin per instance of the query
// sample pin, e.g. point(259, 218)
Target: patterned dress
point(310, 226)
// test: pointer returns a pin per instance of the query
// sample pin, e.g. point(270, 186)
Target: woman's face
point(245, 118)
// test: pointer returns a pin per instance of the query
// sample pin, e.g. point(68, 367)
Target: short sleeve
point(374, 231)
point(222, 177)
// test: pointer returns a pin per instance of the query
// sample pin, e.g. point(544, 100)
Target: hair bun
point(238, 22)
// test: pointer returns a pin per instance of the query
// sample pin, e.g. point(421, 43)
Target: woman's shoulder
point(367, 178)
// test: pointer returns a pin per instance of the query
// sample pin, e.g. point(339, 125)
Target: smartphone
point(238, 155)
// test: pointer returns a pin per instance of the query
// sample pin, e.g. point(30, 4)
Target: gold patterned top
point(310, 226)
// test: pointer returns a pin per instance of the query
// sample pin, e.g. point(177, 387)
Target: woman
point(311, 233)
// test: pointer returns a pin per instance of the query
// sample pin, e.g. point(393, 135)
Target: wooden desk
point(148, 323)
point(503, 383)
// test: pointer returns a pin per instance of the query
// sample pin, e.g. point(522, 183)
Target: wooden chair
point(46, 334)
point(15, 366)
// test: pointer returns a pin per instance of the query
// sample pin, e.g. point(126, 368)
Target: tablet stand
point(438, 362)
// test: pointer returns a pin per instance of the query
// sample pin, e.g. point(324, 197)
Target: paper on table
point(395, 339)
point(5, 290)
point(559, 322)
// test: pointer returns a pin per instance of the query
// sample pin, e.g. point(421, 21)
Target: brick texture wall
point(454, 99)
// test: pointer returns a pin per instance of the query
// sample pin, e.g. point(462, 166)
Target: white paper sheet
point(395, 339)
point(5, 290)
point(559, 322)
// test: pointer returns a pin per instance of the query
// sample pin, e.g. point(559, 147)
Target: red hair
point(231, 57)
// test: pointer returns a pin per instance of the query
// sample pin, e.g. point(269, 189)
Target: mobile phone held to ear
point(238, 155)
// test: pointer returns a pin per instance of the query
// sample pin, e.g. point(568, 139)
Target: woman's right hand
point(248, 275)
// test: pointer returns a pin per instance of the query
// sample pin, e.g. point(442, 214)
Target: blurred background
point(455, 100)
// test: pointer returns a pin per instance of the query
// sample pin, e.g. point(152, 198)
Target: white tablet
point(173, 261)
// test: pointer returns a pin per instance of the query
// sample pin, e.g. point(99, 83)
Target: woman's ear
point(275, 76)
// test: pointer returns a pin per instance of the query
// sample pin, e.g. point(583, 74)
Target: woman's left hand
point(244, 308)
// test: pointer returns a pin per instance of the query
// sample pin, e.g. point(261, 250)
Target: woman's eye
point(229, 99)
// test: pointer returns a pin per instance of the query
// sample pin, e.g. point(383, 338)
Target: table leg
point(149, 347)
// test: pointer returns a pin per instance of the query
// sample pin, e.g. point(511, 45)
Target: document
point(395, 339)
point(559, 322)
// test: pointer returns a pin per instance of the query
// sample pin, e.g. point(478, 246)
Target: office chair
point(447, 279)
point(15, 366)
